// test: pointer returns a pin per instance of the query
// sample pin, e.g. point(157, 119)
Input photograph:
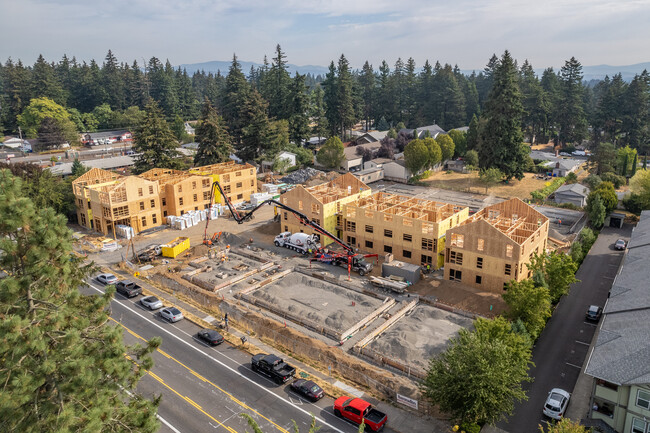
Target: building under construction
point(494, 246)
point(323, 203)
point(105, 199)
point(411, 229)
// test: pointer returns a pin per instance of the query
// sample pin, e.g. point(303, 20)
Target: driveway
point(561, 349)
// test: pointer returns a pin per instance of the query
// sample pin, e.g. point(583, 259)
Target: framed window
point(350, 226)
point(479, 262)
point(300, 205)
point(164, 201)
point(508, 270)
point(141, 205)
point(140, 194)
point(388, 233)
point(456, 257)
point(206, 195)
point(238, 173)
point(406, 254)
point(150, 189)
point(457, 240)
point(226, 178)
point(180, 188)
point(240, 196)
point(180, 201)
point(369, 244)
point(455, 275)
point(407, 238)
point(639, 426)
point(370, 229)
point(315, 207)
point(643, 399)
point(238, 185)
point(286, 216)
point(388, 249)
point(508, 250)
point(153, 204)
point(154, 219)
point(480, 244)
point(352, 240)
point(478, 279)
point(226, 189)
point(196, 197)
point(252, 182)
point(144, 221)
point(427, 244)
point(426, 260)
point(205, 183)
point(164, 213)
point(193, 184)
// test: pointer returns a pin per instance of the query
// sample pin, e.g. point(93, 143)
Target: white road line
point(226, 366)
point(582, 342)
point(164, 421)
point(573, 365)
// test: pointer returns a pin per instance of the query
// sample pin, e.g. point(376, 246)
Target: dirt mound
point(300, 176)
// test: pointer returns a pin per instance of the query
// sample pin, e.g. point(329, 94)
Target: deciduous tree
point(528, 303)
point(416, 156)
point(332, 153)
point(490, 177)
point(447, 146)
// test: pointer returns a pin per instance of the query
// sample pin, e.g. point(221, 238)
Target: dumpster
point(175, 247)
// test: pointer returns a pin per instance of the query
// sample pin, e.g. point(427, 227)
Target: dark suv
point(593, 313)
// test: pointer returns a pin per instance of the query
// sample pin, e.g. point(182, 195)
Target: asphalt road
point(205, 388)
point(561, 349)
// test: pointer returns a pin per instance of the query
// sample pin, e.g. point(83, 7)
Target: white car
point(151, 302)
point(172, 314)
point(106, 279)
point(556, 403)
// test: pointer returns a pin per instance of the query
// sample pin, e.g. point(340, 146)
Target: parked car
point(620, 244)
point(307, 389)
point(272, 367)
point(556, 403)
point(593, 313)
point(151, 302)
point(171, 314)
point(210, 336)
point(106, 279)
point(358, 411)
point(128, 289)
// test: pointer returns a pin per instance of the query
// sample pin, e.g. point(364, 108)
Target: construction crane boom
point(304, 219)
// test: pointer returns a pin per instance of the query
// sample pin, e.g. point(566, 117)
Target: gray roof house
point(620, 359)
point(371, 137)
point(434, 131)
point(562, 167)
point(572, 193)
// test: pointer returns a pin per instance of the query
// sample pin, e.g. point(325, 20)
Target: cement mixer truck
point(300, 242)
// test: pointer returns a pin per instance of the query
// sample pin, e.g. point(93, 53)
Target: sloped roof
point(622, 348)
point(351, 152)
point(574, 188)
point(434, 130)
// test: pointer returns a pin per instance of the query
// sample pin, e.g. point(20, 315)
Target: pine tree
point(236, 94)
point(214, 142)
point(636, 112)
point(501, 144)
point(113, 82)
point(317, 112)
point(255, 143)
point(345, 97)
point(571, 116)
point(63, 365)
point(78, 168)
point(155, 142)
point(276, 86)
point(50, 134)
point(44, 83)
point(368, 91)
point(299, 110)
point(330, 99)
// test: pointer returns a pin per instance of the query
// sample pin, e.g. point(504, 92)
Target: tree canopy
point(331, 154)
point(155, 142)
point(213, 139)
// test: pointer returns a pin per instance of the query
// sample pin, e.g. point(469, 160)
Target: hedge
point(549, 189)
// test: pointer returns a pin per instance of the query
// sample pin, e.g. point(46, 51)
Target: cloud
point(318, 31)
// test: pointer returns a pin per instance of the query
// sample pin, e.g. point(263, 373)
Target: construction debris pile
point(301, 176)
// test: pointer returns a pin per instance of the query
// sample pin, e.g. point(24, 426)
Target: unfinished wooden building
point(412, 229)
point(494, 246)
point(322, 203)
point(238, 181)
point(105, 199)
point(180, 191)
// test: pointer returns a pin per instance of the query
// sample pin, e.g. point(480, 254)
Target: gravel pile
point(301, 176)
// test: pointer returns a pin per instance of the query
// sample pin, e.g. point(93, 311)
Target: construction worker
point(225, 321)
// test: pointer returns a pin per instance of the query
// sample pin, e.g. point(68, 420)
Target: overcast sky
point(462, 32)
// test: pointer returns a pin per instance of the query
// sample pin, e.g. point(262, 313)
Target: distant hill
point(590, 72)
point(223, 66)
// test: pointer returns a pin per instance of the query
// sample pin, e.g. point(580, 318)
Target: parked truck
point(272, 367)
point(356, 262)
point(128, 288)
point(300, 242)
point(358, 411)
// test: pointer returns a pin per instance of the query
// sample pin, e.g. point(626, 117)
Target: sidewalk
point(399, 420)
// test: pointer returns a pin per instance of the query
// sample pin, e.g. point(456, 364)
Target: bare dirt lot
point(420, 335)
point(470, 183)
point(460, 296)
point(321, 302)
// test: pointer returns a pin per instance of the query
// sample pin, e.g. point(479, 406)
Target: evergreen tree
point(113, 82)
point(345, 114)
point(318, 114)
point(571, 117)
point(426, 96)
point(385, 100)
point(236, 94)
point(213, 139)
point(472, 134)
point(501, 144)
point(298, 110)
point(276, 86)
point(368, 92)
point(255, 139)
point(178, 128)
point(50, 134)
point(63, 365)
point(534, 102)
point(636, 112)
point(78, 168)
point(155, 142)
point(551, 85)
point(45, 83)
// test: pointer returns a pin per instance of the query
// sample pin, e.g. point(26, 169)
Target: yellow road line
point(232, 397)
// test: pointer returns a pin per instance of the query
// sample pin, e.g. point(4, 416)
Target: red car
point(358, 411)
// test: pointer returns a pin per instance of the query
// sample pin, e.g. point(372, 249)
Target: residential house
point(574, 193)
point(618, 361)
point(94, 138)
point(396, 171)
point(411, 229)
point(354, 161)
point(562, 167)
point(323, 203)
point(371, 137)
point(289, 156)
point(434, 131)
point(369, 175)
point(112, 163)
point(494, 246)
point(189, 129)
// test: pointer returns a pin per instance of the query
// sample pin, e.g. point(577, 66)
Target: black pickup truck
point(272, 367)
point(128, 288)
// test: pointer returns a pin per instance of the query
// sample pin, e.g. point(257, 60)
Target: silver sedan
point(151, 302)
